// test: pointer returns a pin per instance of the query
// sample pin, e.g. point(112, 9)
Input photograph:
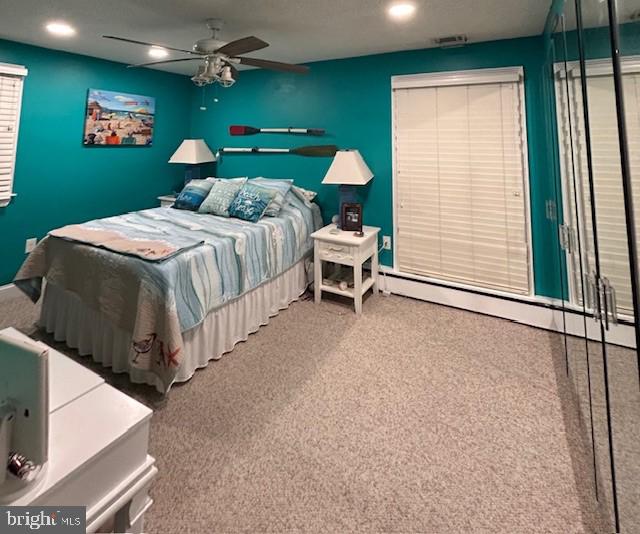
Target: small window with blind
point(461, 178)
point(11, 80)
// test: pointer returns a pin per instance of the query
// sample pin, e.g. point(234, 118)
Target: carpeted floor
point(411, 418)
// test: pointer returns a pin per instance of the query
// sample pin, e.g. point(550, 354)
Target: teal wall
point(57, 180)
point(351, 99)
point(597, 44)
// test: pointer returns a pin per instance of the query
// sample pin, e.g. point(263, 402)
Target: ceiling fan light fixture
point(60, 29)
point(200, 78)
point(401, 10)
point(212, 67)
point(226, 78)
point(158, 52)
point(201, 81)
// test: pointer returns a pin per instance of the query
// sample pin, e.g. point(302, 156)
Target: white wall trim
point(13, 70)
point(597, 67)
point(458, 77)
point(531, 311)
point(9, 291)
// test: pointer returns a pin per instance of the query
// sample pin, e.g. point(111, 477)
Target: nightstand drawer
point(335, 252)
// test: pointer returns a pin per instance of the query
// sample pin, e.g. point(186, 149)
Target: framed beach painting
point(118, 119)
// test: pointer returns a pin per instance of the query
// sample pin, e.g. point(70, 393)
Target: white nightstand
point(344, 248)
point(167, 201)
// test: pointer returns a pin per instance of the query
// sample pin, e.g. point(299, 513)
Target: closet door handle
point(588, 293)
point(612, 304)
point(595, 297)
point(604, 299)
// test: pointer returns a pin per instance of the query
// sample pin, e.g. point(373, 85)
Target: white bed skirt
point(80, 327)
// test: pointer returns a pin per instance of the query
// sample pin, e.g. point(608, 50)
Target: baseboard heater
point(548, 315)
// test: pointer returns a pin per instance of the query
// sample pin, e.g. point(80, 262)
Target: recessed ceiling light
point(158, 52)
point(61, 29)
point(401, 11)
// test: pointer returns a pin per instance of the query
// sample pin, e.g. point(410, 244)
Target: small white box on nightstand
point(166, 201)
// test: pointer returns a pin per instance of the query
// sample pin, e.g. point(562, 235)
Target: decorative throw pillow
point(251, 202)
point(281, 187)
point(193, 194)
point(221, 196)
point(304, 194)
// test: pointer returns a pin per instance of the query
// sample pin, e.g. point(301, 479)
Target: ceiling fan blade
point(273, 65)
point(163, 62)
point(150, 44)
point(242, 46)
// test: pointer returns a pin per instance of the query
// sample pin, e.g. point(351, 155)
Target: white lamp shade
point(193, 151)
point(348, 168)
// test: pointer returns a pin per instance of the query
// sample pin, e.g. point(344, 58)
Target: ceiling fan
point(217, 58)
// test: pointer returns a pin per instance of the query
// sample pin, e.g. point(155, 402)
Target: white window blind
point(11, 81)
point(607, 172)
point(460, 184)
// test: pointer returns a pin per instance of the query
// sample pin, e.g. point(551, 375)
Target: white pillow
point(304, 194)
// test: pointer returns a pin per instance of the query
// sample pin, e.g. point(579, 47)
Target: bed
point(174, 291)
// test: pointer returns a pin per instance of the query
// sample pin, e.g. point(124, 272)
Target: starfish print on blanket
point(169, 356)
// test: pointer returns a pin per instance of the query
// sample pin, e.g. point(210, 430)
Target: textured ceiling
point(298, 30)
point(595, 13)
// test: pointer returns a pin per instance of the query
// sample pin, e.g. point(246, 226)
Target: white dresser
point(98, 443)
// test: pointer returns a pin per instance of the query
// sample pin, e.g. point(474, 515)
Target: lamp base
point(347, 194)
point(192, 172)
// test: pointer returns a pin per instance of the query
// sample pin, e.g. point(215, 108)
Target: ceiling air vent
point(451, 41)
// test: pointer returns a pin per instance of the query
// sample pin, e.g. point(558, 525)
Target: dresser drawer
point(335, 252)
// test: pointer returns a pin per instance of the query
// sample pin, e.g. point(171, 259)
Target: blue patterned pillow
point(281, 187)
point(193, 194)
point(251, 202)
point(221, 196)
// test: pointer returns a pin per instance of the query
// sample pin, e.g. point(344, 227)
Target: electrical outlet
point(386, 242)
point(30, 244)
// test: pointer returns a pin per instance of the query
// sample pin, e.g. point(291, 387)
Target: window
point(607, 170)
point(11, 80)
point(460, 178)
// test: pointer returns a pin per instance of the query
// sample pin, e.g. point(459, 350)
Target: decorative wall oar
point(250, 130)
point(326, 151)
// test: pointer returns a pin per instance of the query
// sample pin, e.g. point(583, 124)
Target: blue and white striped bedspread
point(235, 256)
point(219, 260)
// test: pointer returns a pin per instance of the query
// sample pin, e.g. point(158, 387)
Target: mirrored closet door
point(597, 99)
point(579, 237)
point(623, 370)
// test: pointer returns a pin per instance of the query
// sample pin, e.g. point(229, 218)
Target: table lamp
point(192, 152)
point(348, 170)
